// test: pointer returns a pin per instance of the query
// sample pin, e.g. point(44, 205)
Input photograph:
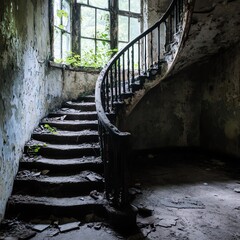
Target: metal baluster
point(119, 78)
point(128, 73)
point(123, 73)
point(139, 70)
point(159, 44)
point(178, 14)
point(151, 50)
point(181, 8)
point(103, 95)
point(145, 53)
point(175, 18)
point(170, 27)
point(111, 85)
point(115, 81)
point(133, 80)
point(107, 93)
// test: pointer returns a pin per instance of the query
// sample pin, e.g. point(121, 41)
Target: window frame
point(75, 24)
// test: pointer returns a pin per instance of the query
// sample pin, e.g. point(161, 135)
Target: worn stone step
point(27, 207)
point(65, 137)
point(72, 114)
point(71, 125)
point(35, 183)
point(35, 148)
point(56, 166)
point(89, 98)
point(83, 106)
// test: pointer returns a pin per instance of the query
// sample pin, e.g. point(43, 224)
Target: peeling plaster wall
point(27, 87)
point(181, 111)
point(153, 10)
point(215, 26)
point(220, 114)
point(168, 115)
point(76, 84)
point(199, 106)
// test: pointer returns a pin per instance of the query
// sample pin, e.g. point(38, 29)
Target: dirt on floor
point(177, 197)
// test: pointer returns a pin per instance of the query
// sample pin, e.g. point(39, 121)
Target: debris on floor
point(15, 229)
point(144, 211)
point(40, 227)
point(69, 227)
point(182, 203)
point(142, 222)
point(134, 191)
point(95, 195)
point(237, 190)
point(98, 226)
point(167, 221)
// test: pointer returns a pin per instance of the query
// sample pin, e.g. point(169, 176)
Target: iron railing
point(128, 68)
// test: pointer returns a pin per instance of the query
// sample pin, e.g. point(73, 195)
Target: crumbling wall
point(153, 10)
point(198, 106)
point(220, 111)
point(215, 25)
point(78, 83)
point(168, 115)
point(29, 87)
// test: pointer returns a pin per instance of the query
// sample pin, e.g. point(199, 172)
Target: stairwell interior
point(51, 160)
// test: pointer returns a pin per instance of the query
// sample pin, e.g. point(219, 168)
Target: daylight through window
point(88, 32)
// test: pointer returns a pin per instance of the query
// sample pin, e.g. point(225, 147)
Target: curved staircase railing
point(125, 73)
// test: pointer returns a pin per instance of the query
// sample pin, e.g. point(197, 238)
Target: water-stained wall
point(220, 108)
point(168, 115)
point(29, 87)
point(199, 106)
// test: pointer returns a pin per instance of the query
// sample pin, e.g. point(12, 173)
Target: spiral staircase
point(75, 159)
point(141, 65)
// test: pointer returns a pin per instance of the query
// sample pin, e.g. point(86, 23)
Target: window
point(62, 29)
point(87, 32)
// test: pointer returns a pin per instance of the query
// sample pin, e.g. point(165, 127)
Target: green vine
point(88, 58)
point(52, 130)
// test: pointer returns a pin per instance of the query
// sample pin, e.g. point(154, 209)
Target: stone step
point(27, 207)
point(58, 151)
point(57, 166)
point(66, 137)
point(34, 183)
point(71, 125)
point(83, 106)
point(71, 114)
point(89, 98)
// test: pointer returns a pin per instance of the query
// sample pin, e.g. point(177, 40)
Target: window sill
point(75, 69)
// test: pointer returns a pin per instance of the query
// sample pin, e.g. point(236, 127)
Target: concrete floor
point(193, 198)
point(178, 197)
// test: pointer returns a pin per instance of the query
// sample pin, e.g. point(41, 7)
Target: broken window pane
point(123, 5)
point(123, 28)
point(135, 6)
point(87, 22)
point(99, 3)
